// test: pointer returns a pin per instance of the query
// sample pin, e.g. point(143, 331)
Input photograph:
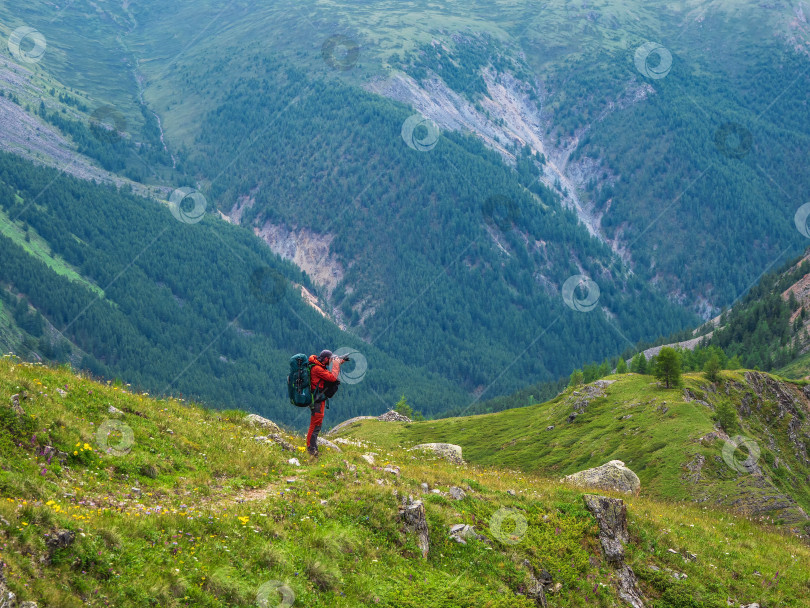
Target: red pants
point(315, 425)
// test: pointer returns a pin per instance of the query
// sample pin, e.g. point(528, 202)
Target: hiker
point(324, 385)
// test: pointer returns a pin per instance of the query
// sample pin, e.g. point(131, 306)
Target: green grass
point(185, 539)
point(657, 445)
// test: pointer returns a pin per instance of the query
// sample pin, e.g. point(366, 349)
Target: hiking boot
point(313, 453)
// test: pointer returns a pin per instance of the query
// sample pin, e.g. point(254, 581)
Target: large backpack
point(299, 381)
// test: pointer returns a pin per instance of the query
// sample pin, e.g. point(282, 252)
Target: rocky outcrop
point(256, 420)
point(611, 515)
point(15, 405)
point(582, 398)
point(789, 405)
point(694, 467)
point(448, 451)
point(392, 416)
point(389, 416)
point(328, 444)
point(612, 476)
point(412, 515)
point(280, 441)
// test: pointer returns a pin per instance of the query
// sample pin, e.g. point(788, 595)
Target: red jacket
point(320, 375)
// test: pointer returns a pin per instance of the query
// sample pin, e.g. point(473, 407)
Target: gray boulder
point(325, 443)
point(457, 493)
point(448, 451)
point(612, 476)
point(256, 420)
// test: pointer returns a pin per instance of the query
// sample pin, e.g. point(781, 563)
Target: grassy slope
point(656, 445)
point(40, 249)
point(215, 519)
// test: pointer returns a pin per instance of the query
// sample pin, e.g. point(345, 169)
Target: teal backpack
point(299, 381)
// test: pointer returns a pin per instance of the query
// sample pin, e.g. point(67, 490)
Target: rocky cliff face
point(510, 117)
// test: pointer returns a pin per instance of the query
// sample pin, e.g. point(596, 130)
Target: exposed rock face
point(256, 420)
point(694, 467)
point(448, 451)
point(789, 404)
point(306, 249)
point(412, 514)
point(613, 476)
point(611, 515)
point(580, 399)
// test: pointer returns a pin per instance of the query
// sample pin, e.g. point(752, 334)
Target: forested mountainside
point(114, 284)
point(440, 178)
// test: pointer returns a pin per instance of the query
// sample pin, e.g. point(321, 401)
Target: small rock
point(435, 491)
point(60, 539)
point(350, 467)
point(279, 440)
point(550, 428)
point(425, 487)
point(114, 410)
point(291, 480)
point(324, 502)
point(261, 439)
point(325, 443)
point(412, 514)
point(294, 461)
point(256, 420)
point(62, 393)
point(673, 551)
point(368, 458)
point(457, 493)
point(394, 470)
point(461, 532)
point(27, 605)
point(690, 557)
point(556, 588)
point(136, 490)
point(15, 405)
point(511, 493)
